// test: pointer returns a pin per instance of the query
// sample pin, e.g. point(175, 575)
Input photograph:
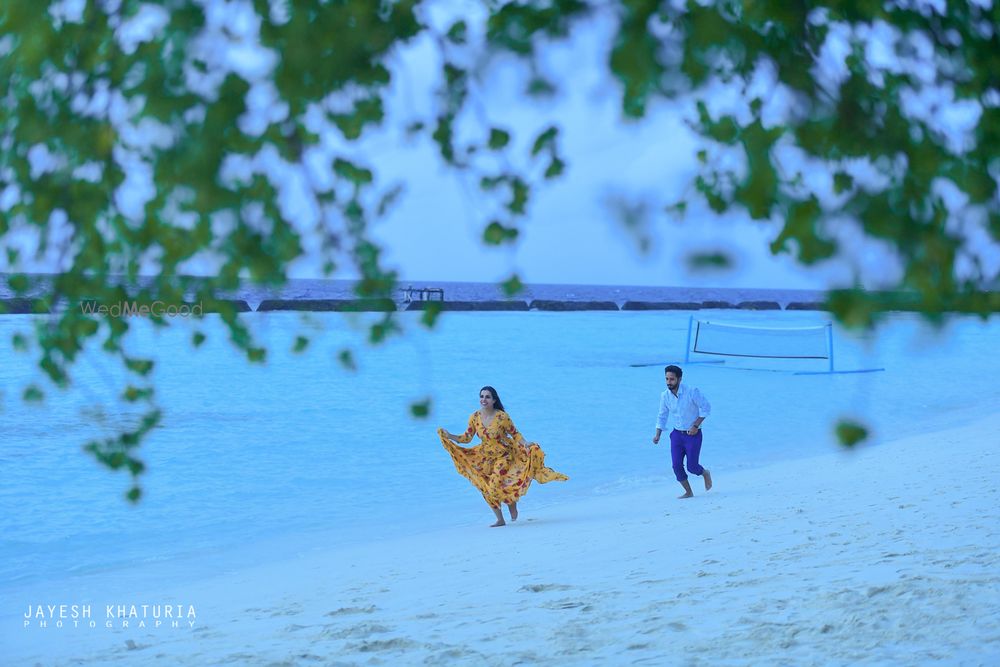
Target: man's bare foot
point(512, 507)
point(686, 495)
point(499, 523)
point(708, 478)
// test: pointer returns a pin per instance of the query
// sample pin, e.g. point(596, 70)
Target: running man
point(686, 408)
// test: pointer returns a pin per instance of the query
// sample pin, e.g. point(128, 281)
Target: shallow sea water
point(300, 452)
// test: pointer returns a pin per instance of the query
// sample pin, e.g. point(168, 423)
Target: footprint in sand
point(287, 611)
point(352, 610)
point(381, 645)
point(241, 658)
point(310, 657)
point(568, 604)
point(541, 588)
point(449, 656)
point(360, 631)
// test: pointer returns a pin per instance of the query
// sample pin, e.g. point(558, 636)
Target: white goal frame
point(829, 347)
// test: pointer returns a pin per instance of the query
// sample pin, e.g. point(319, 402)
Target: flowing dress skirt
point(501, 472)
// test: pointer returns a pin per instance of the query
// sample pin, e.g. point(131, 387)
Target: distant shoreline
point(30, 306)
point(319, 295)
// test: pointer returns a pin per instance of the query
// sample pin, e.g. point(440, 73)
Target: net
point(733, 340)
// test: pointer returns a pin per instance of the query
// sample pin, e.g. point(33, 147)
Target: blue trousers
point(681, 445)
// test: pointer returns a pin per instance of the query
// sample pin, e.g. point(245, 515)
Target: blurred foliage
point(91, 106)
point(421, 409)
point(850, 433)
point(878, 167)
point(709, 260)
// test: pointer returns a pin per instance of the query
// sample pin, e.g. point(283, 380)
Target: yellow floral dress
point(503, 465)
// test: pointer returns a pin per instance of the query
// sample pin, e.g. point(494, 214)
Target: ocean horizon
point(314, 288)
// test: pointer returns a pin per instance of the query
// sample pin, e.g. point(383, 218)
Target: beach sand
point(886, 555)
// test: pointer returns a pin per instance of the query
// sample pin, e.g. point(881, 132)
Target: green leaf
point(432, 309)
point(134, 494)
point(351, 172)
point(458, 33)
point(725, 130)
point(488, 183)
point(19, 283)
point(33, 394)
point(496, 234)
point(498, 138)
point(301, 343)
point(140, 366)
point(380, 331)
point(677, 210)
point(512, 286)
point(256, 354)
point(133, 394)
point(540, 87)
point(386, 202)
point(197, 338)
point(842, 182)
point(19, 342)
point(555, 168)
point(702, 261)
point(545, 140)
point(850, 433)
point(519, 192)
point(346, 359)
point(421, 409)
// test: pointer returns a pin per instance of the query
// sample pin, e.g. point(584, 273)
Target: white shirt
point(683, 409)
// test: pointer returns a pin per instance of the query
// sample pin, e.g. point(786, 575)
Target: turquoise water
point(300, 451)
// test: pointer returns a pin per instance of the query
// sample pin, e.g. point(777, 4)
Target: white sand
point(889, 555)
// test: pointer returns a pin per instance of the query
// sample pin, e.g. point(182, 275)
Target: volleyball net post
point(802, 344)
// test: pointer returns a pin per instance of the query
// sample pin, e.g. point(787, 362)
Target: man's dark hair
point(676, 370)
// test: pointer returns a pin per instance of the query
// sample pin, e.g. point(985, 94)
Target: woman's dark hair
point(497, 405)
point(676, 370)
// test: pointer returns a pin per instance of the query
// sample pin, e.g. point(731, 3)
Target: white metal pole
point(829, 342)
point(687, 348)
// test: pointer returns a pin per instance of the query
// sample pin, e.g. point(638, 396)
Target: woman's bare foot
point(499, 515)
point(687, 490)
point(686, 495)
point(512, 507)
point(708, 478)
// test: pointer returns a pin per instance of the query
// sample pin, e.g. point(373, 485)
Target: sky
point(571, 233)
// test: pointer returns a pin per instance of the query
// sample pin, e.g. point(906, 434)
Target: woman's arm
point(469, 432)
point(508, 425)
